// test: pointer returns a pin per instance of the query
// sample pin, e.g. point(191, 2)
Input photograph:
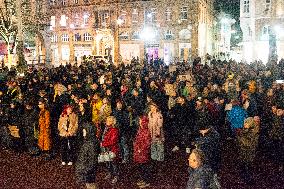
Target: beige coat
point(73, 125)
point(156, 126)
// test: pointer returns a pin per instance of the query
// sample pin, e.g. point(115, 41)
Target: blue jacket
point(236, 117)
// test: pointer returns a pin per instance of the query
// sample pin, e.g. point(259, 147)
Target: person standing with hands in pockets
point(68, 126)
point(157, 136)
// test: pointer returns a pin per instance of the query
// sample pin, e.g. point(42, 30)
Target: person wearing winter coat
point(209, 144)
point(86, 164)
point(67, 127)
point(110, 142)
point(157, 134)
point(44, 136)
point(122, 121)
point(96, 105)
point(236, 117)
point(248, 142)
point(105, 111)
point(14, 127)
point(30, 127)
point(141, 152)
point(182, 117)
point(276, 136)
point(201, 175)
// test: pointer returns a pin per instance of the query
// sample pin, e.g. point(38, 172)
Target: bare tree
point(21, 21)
point(8, 26)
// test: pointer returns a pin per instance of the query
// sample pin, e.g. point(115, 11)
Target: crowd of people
point(97, 113)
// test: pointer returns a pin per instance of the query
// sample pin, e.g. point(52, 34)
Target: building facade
point(262, 23)
point(123, 29)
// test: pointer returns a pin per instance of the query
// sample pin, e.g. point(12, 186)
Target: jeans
point(124, 148)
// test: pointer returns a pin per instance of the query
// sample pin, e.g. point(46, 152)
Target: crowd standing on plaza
point(98, 113)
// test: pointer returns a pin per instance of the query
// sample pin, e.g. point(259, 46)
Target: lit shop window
point(65, 38)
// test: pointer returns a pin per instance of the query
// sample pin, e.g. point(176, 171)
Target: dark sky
point(231, 7)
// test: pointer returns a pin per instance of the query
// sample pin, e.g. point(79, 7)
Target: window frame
point(168, 15)
point(246, 6)
point(87, 37)
point(65, 37)
point(184, 13)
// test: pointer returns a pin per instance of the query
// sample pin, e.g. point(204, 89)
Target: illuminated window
point(63, 2)
point(246, 6)
point(169, 35)
point(135, 35)
point(87, 37)
point(266, 30)
point(135, 15)
point(76, 20)
point(123, 16)
point(86, 19)
point(65, 38)
point(52, 2)
point(63, 21)
point(183, 15)
point(105, 18)
point(267, 5)
point(52, 22)
point(54, 38)
point(154, 14)
point(168, 14)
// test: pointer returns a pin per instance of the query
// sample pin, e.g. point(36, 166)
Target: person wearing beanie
point(141, 153)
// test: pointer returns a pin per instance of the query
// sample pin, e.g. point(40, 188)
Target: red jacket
point(142, 146)
point(111, 141)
